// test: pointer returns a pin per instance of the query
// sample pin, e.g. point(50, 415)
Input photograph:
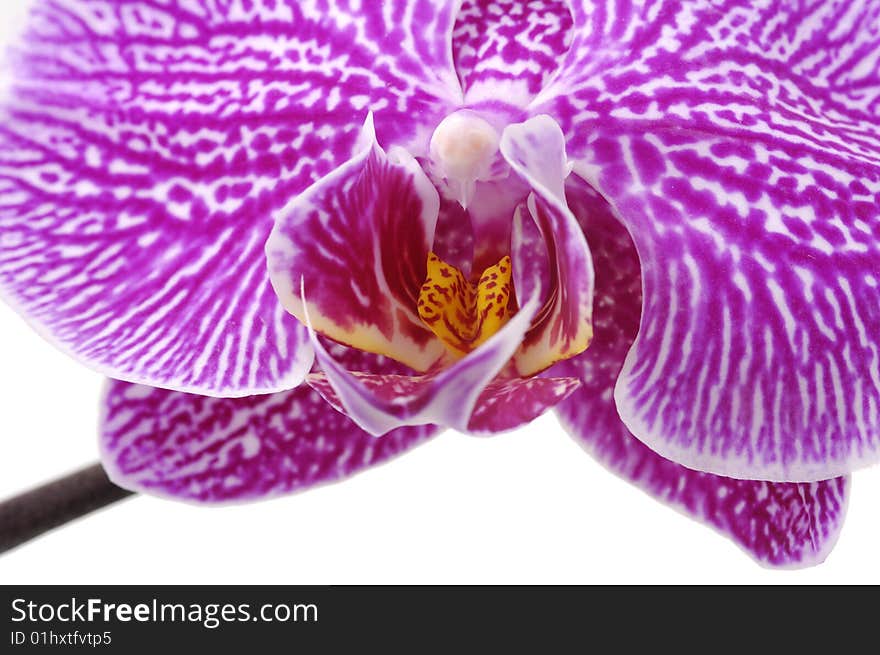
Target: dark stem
point(37, 511)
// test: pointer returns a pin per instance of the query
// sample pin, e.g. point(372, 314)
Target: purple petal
point(804, 72)
point(358, 241)
point(508, 404)
point(509, 48)
point(741, 151)
point(536, 152)
point(779, 524)
point(144, 148)
point(446, 397)
point(215, 450)
point(758, 354)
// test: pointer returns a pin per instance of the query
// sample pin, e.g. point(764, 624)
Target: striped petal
point(779, 524)
point(803, 72)
point(447, 397)
point(509, 48)
point(217, 450)
point(535, 151)
point(740, 149)
point(145, 146)
point(358, 242)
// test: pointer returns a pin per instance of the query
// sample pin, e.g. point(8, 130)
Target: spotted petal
point(535, 150)
point(217, 450)
point(145, 146)
point(740, 148)
point(779, 524)
point(508, 404)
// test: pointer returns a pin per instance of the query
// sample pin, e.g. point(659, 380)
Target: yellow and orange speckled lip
point(461, 313)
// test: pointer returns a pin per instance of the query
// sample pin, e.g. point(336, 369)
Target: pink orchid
point(302, 237)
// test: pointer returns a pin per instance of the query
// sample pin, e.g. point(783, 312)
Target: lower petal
point(508, 404)
point(447, 397)
point(217, 450)
point(503, 405)
point(778, 524)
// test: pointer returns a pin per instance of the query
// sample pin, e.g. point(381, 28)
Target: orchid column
point(301, 238)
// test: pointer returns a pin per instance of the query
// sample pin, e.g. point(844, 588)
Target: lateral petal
point(145, 146)
point(740, 149)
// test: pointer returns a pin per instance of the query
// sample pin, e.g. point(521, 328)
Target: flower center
point(463, 149)
point(461, 313)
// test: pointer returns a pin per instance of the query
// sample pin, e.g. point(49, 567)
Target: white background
point(526, 507)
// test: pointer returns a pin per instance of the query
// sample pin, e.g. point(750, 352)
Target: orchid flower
point(303, 236)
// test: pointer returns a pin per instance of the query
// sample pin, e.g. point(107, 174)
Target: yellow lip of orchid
point(464, 314)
